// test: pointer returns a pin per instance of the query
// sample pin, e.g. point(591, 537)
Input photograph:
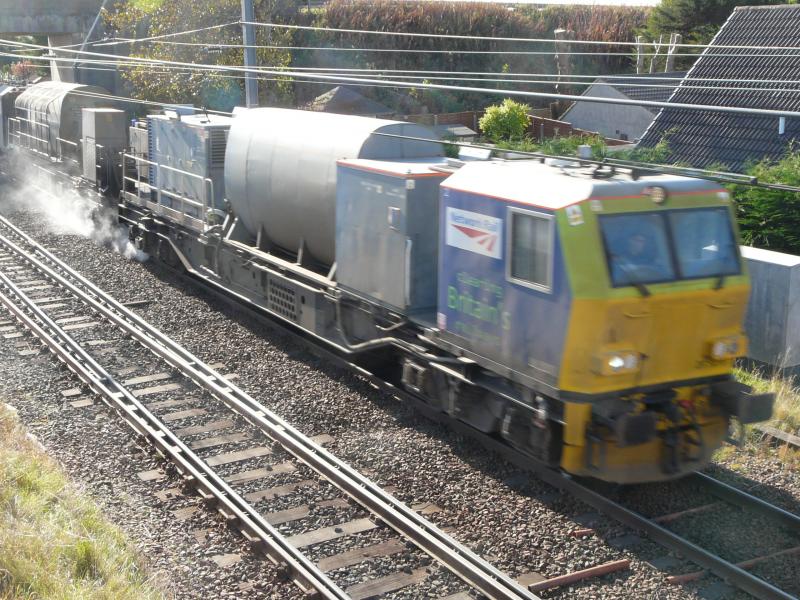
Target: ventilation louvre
point(217, 144)
point(282, 299)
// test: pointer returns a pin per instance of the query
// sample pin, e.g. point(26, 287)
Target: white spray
point(65, 211)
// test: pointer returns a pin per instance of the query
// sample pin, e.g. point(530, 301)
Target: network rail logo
point(474, 232)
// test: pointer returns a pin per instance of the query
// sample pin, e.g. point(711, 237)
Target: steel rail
point(720, 567)
point(741, 498)
point(460, 560)
point(145, 423)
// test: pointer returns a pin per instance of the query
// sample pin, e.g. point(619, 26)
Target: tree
point(23, 69)
point(507, 121)
point(218, 90)
point(771, 218)
point(696, 20)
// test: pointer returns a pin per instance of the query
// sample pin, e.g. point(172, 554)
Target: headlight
point(616, 362)
point(727, 347)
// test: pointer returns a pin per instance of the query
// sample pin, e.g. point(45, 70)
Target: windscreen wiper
point(640, 287)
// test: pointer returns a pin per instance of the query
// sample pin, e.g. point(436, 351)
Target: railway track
point(733, 573)
point(231, 461)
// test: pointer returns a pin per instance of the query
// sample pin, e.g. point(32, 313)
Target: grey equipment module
point(187, 158)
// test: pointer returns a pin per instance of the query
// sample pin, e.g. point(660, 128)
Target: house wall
point(610, 120)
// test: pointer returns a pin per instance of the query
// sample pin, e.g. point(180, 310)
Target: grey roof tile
point(701, 138)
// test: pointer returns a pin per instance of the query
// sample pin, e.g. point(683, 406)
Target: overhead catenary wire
point(408, 50)
point(643, 166)
point(427, 85)
point(656, 168)
point(207, 70)
point(131, 62)
point(719, 176)
point(475, 37)
point(793, 52)
point(570, 81)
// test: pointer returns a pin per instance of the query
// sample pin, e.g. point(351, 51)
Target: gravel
point(104, 457)
point(516, 522)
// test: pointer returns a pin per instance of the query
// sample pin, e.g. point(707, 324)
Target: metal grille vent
point(151, 152)
point(282, 300)
point(218, 142)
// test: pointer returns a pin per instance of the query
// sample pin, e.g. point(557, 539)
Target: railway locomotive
point(587, 315)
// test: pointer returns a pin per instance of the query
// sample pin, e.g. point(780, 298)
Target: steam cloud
point(65, 212)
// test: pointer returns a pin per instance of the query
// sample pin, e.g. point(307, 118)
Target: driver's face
point(636, 244)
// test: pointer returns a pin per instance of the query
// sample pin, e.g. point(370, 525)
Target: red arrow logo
point(484, 238)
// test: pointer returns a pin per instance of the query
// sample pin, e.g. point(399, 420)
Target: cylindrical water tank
point(280, 169)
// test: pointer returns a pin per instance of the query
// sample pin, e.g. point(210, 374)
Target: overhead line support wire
point(628, 77)
point(277, 77)
point(795, 51)
point(691, 172)
point(506, 39)
point(494, 91)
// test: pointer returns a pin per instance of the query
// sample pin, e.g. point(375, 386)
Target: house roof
point(657, 87)
point(346, 101)
point(704, 138)
point(639, 87)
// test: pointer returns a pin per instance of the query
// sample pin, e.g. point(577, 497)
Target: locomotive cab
point(614, 304)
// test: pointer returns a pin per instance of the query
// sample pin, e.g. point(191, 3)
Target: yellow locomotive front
point(659, 295)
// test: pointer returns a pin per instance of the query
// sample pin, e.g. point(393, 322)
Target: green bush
point(771, 218)
point(489, 19)
point(558, 146)
point(507, 121)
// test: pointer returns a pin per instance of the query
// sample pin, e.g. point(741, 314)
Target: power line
point(573, 76)
point(505, 39)
point(167, 35)
point(719, 176)
point(482, 90)
point(638, 77)
point(177, 71)
point(406, 50)
point(690, 85)
point(732, 177)
point(795, 52)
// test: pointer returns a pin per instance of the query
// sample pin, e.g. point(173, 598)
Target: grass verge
point(54, 542)
point(786, 414)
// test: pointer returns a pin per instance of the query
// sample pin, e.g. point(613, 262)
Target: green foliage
point(461, 18)
point(558, 146)
point(568, 145)
point(147, 5)
point(506, 121)
point(771, 218)
point(696, 20)
point(656, 154)
point(222, 91)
